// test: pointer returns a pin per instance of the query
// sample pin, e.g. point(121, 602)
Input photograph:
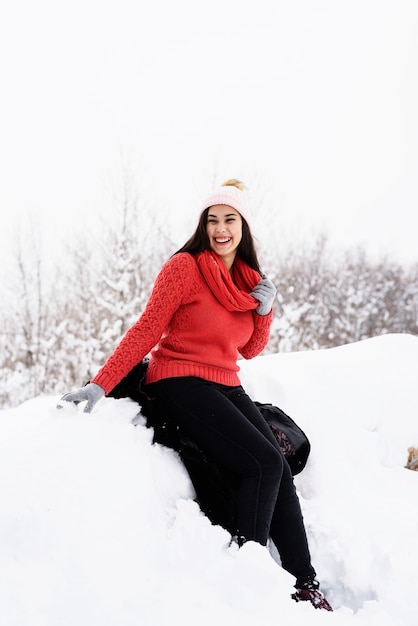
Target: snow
point(98, 527)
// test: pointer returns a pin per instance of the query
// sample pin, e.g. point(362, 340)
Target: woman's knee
point(267, 462)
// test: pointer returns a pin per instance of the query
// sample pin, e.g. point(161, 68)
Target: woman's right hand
point(91, 393)
point(264, 292)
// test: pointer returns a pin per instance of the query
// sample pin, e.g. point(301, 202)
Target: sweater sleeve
point(260, 337)
point(171, 288)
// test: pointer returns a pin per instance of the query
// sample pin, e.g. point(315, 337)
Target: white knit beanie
point(231, 196)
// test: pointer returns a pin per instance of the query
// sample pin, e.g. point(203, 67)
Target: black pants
point(228, 427)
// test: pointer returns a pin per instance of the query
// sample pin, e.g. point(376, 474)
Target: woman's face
point(224, 229)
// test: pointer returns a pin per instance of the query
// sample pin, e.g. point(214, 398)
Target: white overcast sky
point(313, 103)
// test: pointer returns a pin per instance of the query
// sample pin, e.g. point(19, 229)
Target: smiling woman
point(209, 304)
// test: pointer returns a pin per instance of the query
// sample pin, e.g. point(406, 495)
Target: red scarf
point(232, 291)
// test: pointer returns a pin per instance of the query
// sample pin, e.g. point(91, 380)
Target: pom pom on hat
point(232, 194)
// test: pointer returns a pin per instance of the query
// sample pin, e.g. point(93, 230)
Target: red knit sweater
point(189, 332)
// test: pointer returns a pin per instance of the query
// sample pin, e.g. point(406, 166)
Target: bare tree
point(28, 311)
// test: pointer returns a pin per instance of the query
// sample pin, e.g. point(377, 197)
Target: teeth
point(223, 240)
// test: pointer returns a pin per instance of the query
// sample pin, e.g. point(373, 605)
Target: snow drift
point(98, 527)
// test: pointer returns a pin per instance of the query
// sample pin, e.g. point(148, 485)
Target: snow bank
point(98, 527)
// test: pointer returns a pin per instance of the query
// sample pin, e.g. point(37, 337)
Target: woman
point(210, 302)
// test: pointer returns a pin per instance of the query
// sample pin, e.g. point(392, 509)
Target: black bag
point(292, 440)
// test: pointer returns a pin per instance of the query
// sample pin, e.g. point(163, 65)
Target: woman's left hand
point(92, 392)
point(264, 292)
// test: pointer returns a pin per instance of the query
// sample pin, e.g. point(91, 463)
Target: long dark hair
point(199, 241)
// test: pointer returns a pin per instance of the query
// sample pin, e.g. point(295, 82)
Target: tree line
point(56, 331)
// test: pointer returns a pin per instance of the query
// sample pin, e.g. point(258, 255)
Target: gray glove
point(264, 292)
point(91, 392)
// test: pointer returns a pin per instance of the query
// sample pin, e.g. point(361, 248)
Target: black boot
point(307, 590)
